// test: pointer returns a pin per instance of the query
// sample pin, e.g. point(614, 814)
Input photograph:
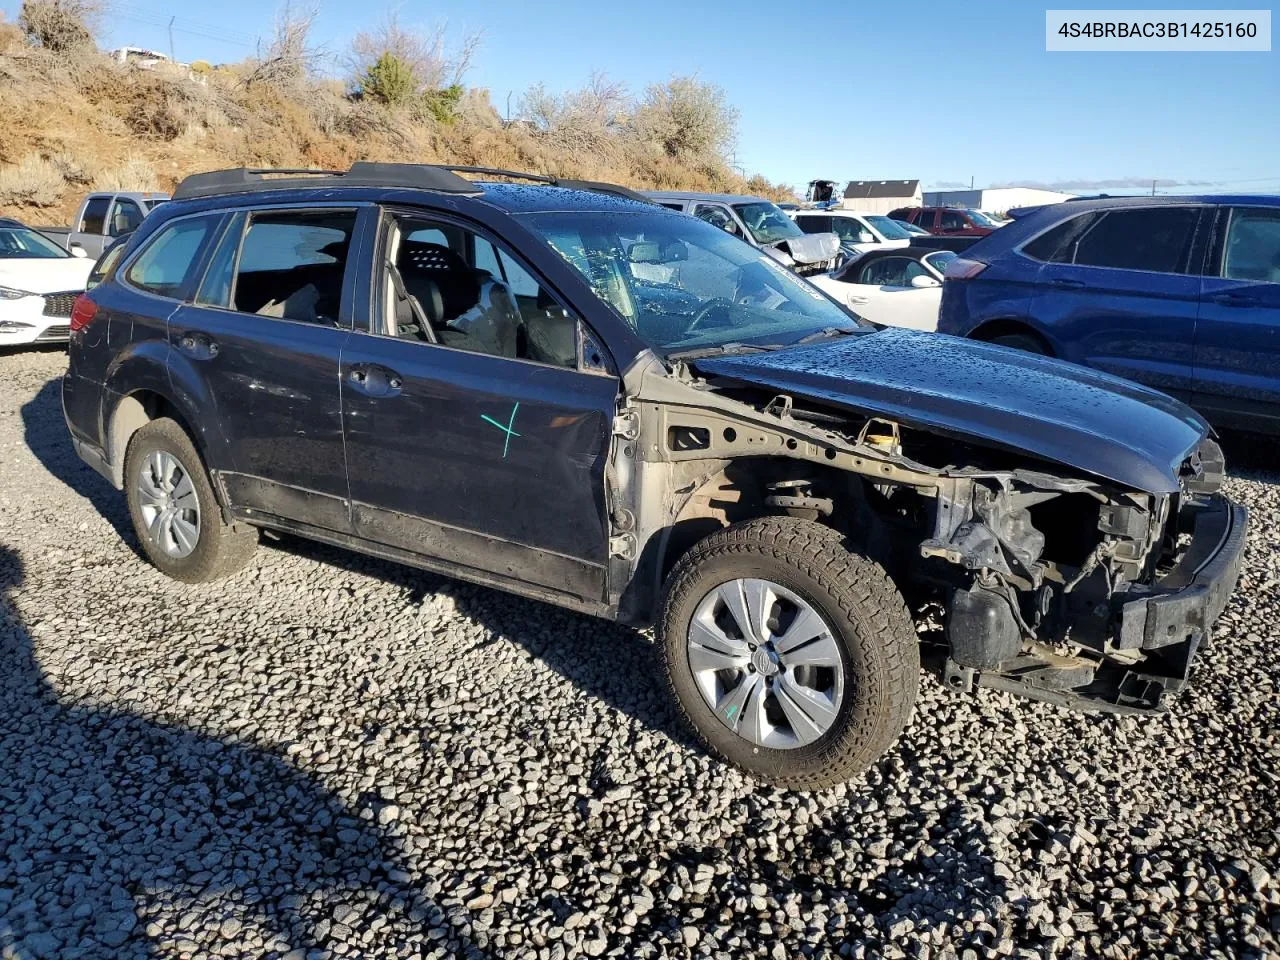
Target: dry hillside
point(71, 121)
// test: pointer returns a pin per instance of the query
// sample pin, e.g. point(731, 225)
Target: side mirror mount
point(921, 282)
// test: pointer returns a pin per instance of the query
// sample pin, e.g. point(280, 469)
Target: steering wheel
point(704, 314)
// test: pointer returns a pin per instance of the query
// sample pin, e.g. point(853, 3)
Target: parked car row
point(39, 281)
point(571, 393)
point(42, 271)
point(1178, 293)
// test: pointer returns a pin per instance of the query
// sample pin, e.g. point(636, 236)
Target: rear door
point(125, 217)
point(1122, 296)
point(88, 232)
point(262, 341)
point(925, 219)
point(1237, 349)
point(882, 292)
point(477, 432)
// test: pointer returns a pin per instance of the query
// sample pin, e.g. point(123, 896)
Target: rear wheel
point(1021, 341)
point(791, 656)
point(175, 514)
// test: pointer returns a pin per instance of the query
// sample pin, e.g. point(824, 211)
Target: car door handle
point(1235, 299)
point(373, 380)
point(1064, 284)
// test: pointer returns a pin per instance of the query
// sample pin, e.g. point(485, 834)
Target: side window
point(1253, 246)
point(95, 215)
point(105, 264)
point(292, 264)
point(954, 221)
point(674, 205)
point(1058, 244)
point(850, 230)
point(717, 216)
point(923, 218)
point(444, 289)
point(126, 217)
point(169, 259)
point(814, 224)
point(891, 272)
point(215, 289)
point(1155, 239)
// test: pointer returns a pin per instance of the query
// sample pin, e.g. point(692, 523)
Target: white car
point(859, 233)
point(39, 281)
point(896, 288)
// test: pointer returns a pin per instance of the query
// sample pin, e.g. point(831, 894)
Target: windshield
point(981, 219)
point(152, 204)
point(888, 228)
point(683, 284)
point(766, 222)
point(23, 243)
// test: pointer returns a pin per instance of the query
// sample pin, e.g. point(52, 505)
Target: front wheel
point(791, 656)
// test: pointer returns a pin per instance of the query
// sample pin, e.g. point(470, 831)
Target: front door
point(473, 433)
point(1237, 352)
point(263, 337)
point(1123, 296)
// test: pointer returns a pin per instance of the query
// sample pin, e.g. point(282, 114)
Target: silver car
point(762, 224)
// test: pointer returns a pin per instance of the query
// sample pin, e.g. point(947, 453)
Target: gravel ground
point(331, 756)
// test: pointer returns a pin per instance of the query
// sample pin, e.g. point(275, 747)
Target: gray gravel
point(330, 756)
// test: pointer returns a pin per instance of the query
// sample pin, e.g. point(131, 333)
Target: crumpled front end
point(1112, 627)
point(810, 254)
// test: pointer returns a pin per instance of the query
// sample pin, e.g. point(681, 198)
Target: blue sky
point(942, 91)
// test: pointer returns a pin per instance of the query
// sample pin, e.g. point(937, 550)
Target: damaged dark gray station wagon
point(561, 390)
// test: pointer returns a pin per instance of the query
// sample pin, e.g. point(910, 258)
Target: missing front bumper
point(1162, 630)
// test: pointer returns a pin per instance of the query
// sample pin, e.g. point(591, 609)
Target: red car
point(948, 221)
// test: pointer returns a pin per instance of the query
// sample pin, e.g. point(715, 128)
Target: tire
point(1026, 342)
point(217, 548)
point(864, 616)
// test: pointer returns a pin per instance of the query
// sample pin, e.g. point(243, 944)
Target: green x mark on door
point(505, 428)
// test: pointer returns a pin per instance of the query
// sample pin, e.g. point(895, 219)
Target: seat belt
point(419, 315)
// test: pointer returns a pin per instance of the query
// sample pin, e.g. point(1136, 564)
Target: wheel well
point(133, 413)
point(737, 493)
point(1003, 328)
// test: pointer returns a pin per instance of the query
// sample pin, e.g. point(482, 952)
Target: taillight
point(963, 269)
point(82, 312)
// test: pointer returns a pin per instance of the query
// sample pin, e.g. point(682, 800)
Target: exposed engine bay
point(1026, 575)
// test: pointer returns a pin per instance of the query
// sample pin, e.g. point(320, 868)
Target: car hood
point(811, 247)
point(45, 275)
point(1071, 415)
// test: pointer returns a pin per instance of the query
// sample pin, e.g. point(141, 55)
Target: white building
point(880, 196)
point(994, 199)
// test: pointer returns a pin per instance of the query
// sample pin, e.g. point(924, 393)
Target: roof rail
point(419, 176)
point(593, 186)
point(440, 178)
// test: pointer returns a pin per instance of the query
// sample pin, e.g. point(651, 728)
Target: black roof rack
point(421, 176)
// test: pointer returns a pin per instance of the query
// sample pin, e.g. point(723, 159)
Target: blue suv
point(1178, 293)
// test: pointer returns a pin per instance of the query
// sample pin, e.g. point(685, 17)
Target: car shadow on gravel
point(1251, 456)
point(114, 827)
point(45, 431)
point(612, 663)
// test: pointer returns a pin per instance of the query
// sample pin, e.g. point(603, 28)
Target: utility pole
point(172, 57)
point(970, 181)
point(1153, 188)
